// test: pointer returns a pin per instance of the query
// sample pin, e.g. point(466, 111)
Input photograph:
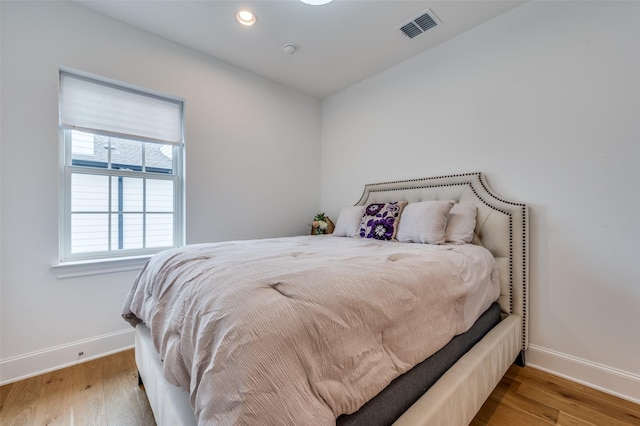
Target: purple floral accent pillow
point(380, 220)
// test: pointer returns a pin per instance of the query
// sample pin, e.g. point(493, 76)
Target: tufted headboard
point(501, 227)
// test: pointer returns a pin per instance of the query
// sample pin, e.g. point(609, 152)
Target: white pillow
point(348, 221)
point(424, 222)
point(461, 224)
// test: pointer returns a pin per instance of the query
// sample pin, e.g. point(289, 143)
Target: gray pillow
point(424, 222)
point(348, 221)
point(461, 224)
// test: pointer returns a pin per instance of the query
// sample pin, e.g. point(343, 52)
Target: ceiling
point(339, 43)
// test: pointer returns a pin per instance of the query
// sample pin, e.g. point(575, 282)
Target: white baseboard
point(57, 357)
point(610, 380)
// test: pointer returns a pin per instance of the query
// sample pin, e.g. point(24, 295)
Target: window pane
point(115, 228)
point(131, 236)
point(89, 193)
point(126, 194)
point(159, 230)
point(159, 195)
point(158, 158)
point(82, 144)
point(132, 232)
point(89, 150)
point(89, 232)
point(126, 154)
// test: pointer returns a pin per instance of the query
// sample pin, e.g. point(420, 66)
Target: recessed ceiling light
point(316, 2)
point(246, 17)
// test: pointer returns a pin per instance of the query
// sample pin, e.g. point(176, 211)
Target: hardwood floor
point(95, 393)
point(105, 392)
point(527, 396)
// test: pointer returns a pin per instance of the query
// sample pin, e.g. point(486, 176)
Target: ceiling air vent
point(420, 24)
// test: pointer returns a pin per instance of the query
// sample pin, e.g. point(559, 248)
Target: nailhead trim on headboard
point(470, 180)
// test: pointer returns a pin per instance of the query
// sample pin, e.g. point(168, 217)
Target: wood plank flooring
point(526, 396)
point(102, 392)
point(105, 392)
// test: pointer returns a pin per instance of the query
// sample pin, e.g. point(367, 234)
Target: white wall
point(546, 101)
point(245, 137)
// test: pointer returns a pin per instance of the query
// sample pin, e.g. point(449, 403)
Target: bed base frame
point(502, 227)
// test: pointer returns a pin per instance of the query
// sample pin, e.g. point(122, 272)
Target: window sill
point(98, 266)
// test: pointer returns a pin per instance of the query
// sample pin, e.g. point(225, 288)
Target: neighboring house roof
point(124, 152)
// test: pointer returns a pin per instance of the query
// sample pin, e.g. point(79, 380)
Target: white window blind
point(88, 104)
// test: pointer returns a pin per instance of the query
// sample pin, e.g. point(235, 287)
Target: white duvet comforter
point(300, 330)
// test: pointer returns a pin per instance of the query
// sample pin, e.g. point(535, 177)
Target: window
point(122, 173)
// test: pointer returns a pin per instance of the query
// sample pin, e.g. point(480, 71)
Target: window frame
point(87, 263)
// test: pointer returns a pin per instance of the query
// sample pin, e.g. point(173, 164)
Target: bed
point(436, 377)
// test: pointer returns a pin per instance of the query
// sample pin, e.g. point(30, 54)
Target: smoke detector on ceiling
point(289, 48)
point(421, 23)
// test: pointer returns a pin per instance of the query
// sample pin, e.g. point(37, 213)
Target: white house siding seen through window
point(100, 203)
point(122, 192)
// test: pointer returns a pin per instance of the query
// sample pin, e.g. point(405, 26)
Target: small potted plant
point(321, 224)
